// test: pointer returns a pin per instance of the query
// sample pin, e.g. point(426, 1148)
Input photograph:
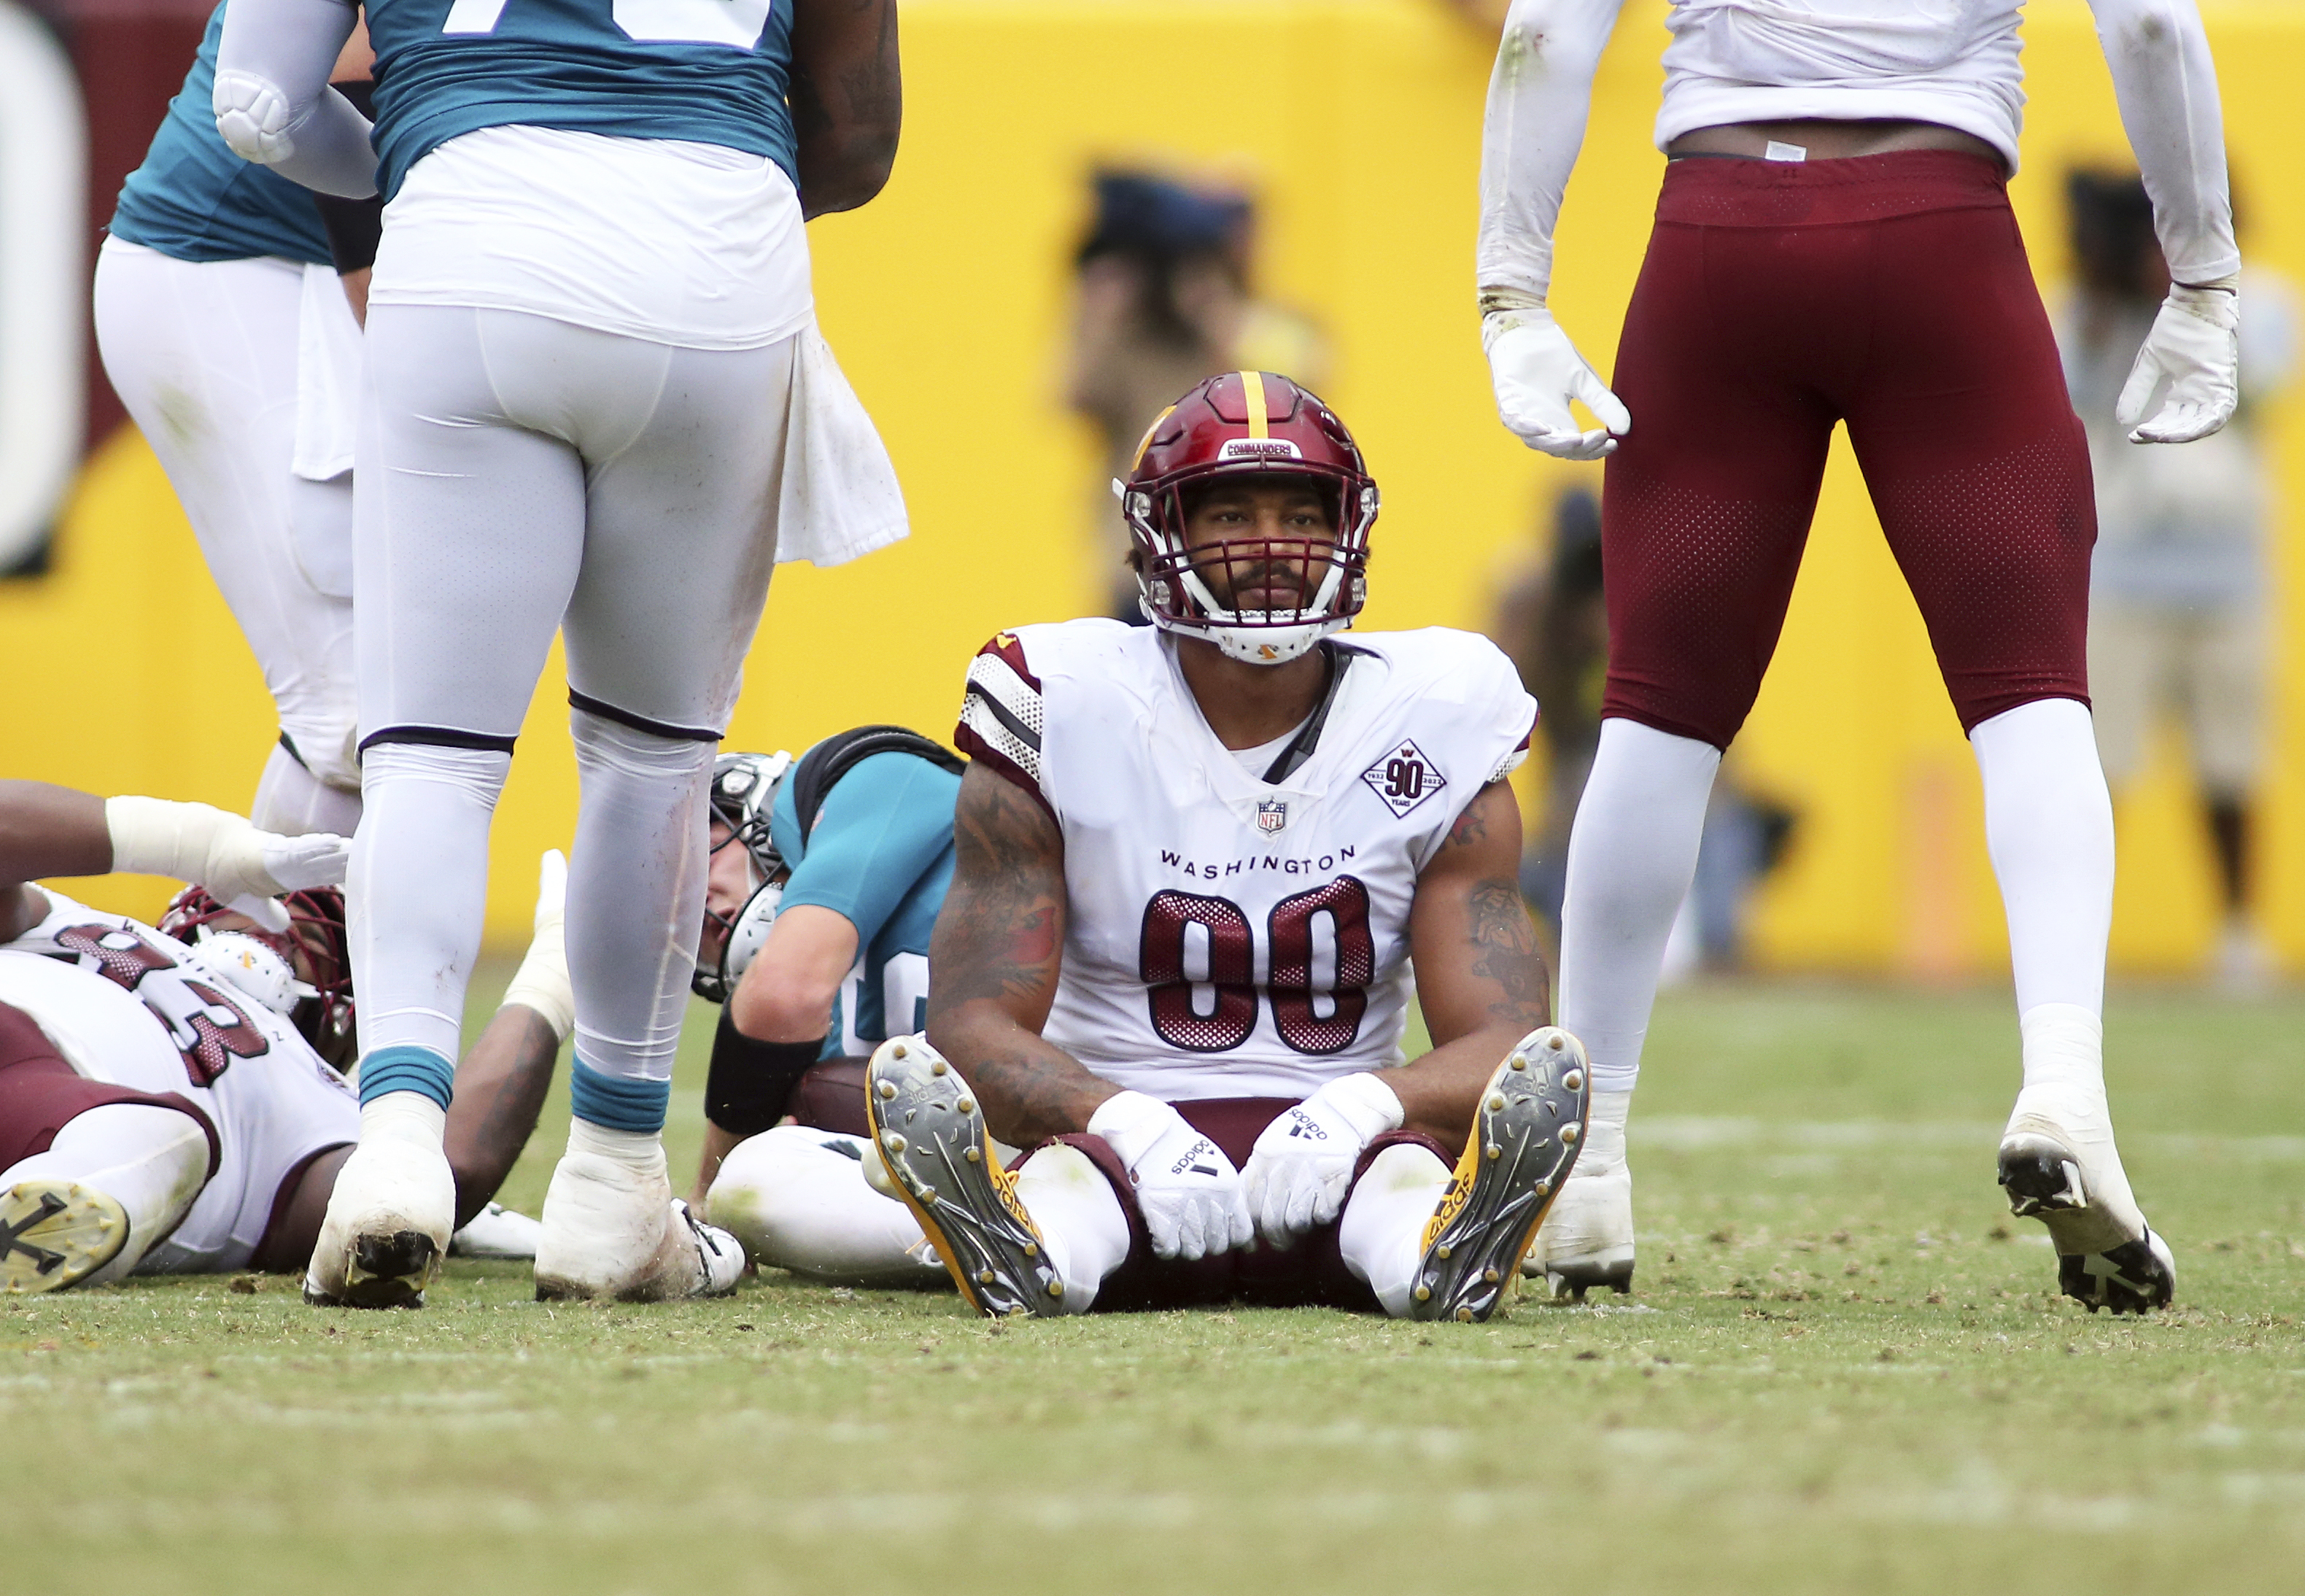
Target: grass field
point(1845, 1369)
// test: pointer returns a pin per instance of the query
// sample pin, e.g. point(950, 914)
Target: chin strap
point(1301, 748)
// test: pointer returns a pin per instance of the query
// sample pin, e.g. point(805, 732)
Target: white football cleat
point(2059, 1166)
point(612, 1230)
point(1587, 1240)
point(496, 1232)
point(55, 1234)
point(388, 1227)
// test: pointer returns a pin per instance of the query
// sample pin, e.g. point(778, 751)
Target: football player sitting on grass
point(1196, 863)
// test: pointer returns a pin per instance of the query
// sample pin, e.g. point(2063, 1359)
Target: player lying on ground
point(598, 414)
point(1834, 245)
point(827, 872)
point(170, 1099)
point(1196, 863)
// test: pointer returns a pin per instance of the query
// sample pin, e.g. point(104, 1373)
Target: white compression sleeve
point(2166, 85)
point(273, 104)
point(2049, 825)
point(1632, 853)
point(1539, 95)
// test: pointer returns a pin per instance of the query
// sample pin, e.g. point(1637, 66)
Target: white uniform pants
point(204, 355)
point(520, 475)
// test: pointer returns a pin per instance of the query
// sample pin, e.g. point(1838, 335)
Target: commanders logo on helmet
point(1262, 426)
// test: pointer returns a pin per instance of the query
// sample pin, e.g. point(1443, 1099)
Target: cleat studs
point(1489, 1277)
point(1543, 1188)
point(1056, 1288)
point(1493, 1150)
point(1424, 1293)
point(1518, 1062)
point(893, 1142)
point(1497, 1104)
point(888, 1090)
point(1574, 1081)
point(899, 1051)
point(1464, 1316)
point(984, 1277)
point(937, 1068)
point(1553, 1041)
point(1441, 1252)
point(966, 1106)
point(1570, 1135)
point(972, 1156)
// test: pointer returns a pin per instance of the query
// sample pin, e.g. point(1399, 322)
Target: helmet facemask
point(1179, 584)
point(744, 792)
point(303, 975)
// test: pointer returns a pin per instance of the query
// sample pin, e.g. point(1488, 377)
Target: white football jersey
point(125, 1003)
point(1227, 936)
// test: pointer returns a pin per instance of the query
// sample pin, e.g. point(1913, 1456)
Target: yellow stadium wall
point(1358, 126)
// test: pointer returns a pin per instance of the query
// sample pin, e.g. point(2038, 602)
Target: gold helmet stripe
point(1252, 387)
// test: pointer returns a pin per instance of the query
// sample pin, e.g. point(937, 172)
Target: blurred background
point(1099, 199)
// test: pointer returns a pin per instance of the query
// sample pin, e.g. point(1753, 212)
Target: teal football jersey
point(710, 72)
point(192, 199)
point(880, 854)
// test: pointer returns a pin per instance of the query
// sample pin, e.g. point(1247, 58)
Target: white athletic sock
point(636, 892)
point(151, 1161)
point(1079, 1216)
point(1632, 854)
point(1381, 1234)
point(292, 801)
point(2048, 826)
point(403, 1116)
point(418, 891)
point(1604, 1133)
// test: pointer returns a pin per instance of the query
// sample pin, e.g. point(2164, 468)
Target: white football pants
point(520, 476)
point(204, 355)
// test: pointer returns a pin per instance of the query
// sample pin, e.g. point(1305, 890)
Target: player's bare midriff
point(1826, 140)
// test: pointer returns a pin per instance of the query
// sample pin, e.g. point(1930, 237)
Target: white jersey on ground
point(1227, 937)
point(127, 1005)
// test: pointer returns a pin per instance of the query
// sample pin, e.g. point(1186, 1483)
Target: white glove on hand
point(1537, 371)
point(1187, 1189)
point(1299, 1168)
point(2195, 345)
point(244, 868)
point(542, 982)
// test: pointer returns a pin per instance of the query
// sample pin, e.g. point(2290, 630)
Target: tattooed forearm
point(1505, 952)
point(994, 960)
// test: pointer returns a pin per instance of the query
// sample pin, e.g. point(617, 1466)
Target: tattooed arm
point(847, 100)
point(1479, 976)
point(993, 963)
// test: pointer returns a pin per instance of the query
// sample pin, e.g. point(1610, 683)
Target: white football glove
point(1537, 371)
point(1299, 1168)
point(244, 868)
point(1187, 1189)
point(542, 982)
point(2195, 347)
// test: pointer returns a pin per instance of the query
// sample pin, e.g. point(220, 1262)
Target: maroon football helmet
point(1249, 423)
point(317, 997)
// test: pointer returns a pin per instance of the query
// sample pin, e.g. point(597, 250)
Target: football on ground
point(1844, 1367)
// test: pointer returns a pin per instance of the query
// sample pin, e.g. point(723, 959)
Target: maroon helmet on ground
point(1257, 424)
point(304, 973)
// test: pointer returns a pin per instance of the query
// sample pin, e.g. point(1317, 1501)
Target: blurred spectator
point(1161, 300)
point(2178, 601)
point(1553, 624)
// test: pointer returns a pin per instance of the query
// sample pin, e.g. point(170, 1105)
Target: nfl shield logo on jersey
point(1272, 815)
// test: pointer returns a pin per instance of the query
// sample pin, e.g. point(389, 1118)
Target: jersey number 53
point(1322, 1018)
